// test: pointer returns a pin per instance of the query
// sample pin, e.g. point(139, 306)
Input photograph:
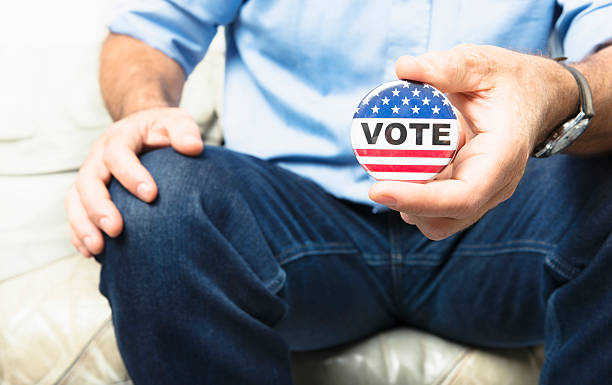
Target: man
point(219, 262)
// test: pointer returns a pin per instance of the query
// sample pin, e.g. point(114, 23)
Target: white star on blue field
point(403, 99)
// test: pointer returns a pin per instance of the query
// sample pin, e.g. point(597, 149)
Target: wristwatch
point(568, 132)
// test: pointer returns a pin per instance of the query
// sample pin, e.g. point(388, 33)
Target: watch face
point(405, 131)
point(569, 136)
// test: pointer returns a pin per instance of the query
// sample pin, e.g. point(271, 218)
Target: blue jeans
point(238, 262)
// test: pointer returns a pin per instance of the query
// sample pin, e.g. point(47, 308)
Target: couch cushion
point(33, 226)
point(406, 356)
point(99, 361)
point(47, 316)
point(52, 110)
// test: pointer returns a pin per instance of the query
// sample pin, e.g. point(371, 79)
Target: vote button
point(406, 131)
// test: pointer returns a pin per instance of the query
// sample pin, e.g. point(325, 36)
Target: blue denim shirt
point(296, 69)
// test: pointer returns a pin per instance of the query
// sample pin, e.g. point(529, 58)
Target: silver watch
point(569, 131)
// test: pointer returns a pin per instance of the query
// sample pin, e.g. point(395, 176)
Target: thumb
point(461, 69)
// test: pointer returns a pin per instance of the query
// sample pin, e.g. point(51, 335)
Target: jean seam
point(395, 260)
point(507, 250)
point(301, 251)
point(375, 257)
point(421, 262)
point(276, 283)
point(306, 245)
point(561, 267)
point(507, 243)
point(384, 258)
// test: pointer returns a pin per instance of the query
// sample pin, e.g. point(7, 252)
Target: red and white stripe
point(406, 162)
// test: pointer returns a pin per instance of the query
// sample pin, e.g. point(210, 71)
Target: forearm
point(597, 68)
point(135, 77)
point(597, 139)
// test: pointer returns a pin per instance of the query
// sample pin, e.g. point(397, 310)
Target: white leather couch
point(54, 325)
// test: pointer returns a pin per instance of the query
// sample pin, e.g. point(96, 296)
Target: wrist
point(140, 102)
point(560, 100)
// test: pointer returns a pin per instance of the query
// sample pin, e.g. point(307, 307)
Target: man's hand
point(140, 86)
point(88, 201)
point(507, 103)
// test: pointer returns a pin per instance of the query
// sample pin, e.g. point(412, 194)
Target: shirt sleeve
point(583, 26)
point(182, 29)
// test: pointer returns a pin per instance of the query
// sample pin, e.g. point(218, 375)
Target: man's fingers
point(124, 165)
point(410, 219)
point(97, 206)
point(89, 205)
point(184, 135)
point(437, 229)
point(479, 174)
point(463, 68)
point(78, 245)
point(445, 198)
point(84, 234)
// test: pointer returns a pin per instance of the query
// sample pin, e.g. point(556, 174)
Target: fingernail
point(405, 60)
point(144, 190)
point(82, 250)
point(105, 224)
point(88, 242)
point(387, 201)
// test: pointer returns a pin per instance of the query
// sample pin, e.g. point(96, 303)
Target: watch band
point(568, 132)
point(586, 98)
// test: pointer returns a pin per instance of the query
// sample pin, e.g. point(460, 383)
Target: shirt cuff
point(165, 27)
point(587, 32)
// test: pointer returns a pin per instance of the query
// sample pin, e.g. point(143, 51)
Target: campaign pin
point(405, 131)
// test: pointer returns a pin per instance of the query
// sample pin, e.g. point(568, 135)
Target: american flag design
point(406, 131)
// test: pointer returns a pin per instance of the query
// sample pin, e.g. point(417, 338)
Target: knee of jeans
point(199, 207)
point(186, 187)
point(177, 212)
